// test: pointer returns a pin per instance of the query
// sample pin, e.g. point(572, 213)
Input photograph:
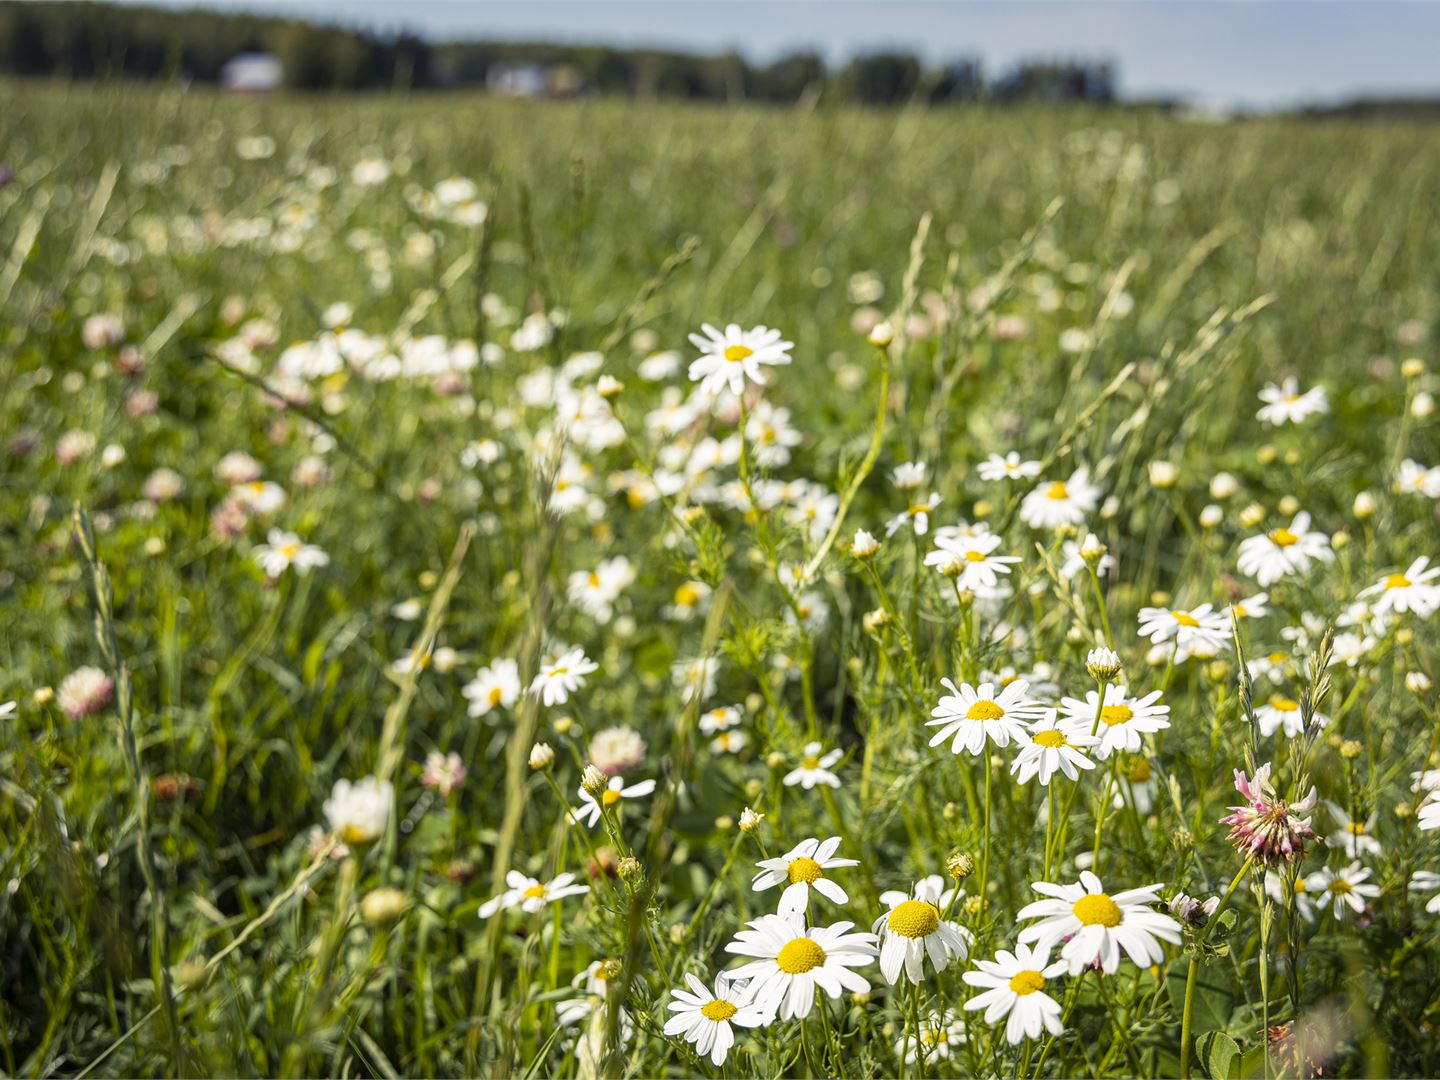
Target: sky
point(1240, 53)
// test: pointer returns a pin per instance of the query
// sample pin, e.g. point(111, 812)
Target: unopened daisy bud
point(1350, 749)
point(1160, 598)
point(950, 811)
point(1183, 839)
point(1163, 474)
point(542, 756)
point(1102, 664)
point(1252, 515)
point(1364, 505)
point(724, 823)
point(1211, 516)
point(1266, 454)
point(775, 759)
point(1077, 635)
point(1422, 406)
point(1403, 810)
point(155, 546)
point(192, 974)
point(1292, 456)
point(1066, 531)
point(983, 508)
point(861, 997)
point(593, 781)
point(1340, 540)
point(611, 969)
point(608, 386)
point(753, 787)
point(881, 335)
point(428, 580)
point(1109, 508)
point(112, 456)
point(1417, 682)
point(974, 905)
point(44, 695)
point(1223, 486)
point(875, 621)
point(1217, 670)
point(1289, 506)
point(384, 906)
point(678, 932)
point(629, 868)
point(1092, 550)
point(864, 545)
point(1412, 368)
point(1404, 636)
point(750, 820)
point(959, 865)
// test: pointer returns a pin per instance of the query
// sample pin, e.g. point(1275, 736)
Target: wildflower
point(973, 714)
point(1414, 590)
point(1276, 889)
point(529, 895)
point(792, 961)
point(909, 476)
point(703, 1018)
point(1163, 474)
point(73, 446)
point(617, 750)
point(1355, 838)
point(1095, 926)
point(969, 561)
point(864, 545)
point(1417, 682)
point(881, 335)
point(1413, 479)
point(1252, 607)
point(1049, 748)
point(384, 906)
point(696, 678)
point(814, 768)
point(162, 485)
point(1284, 712)
point(7, 709)
point(1102, 663)
point(589, 810)
point(595, 591)
point(1013, 985)
point(496, 686)
point(560, 678)
point(959, 865)
point(1189, 910)
point(1427, 881)
point(750, 820)
point(1286, 404)
point(940, 1034)
point(1286, 550)
point(1202, 625)
point(728, 359)
point(443, 772)
point(1343, 888)
point(84, 692)
point(542, 756)
point(1223, 486)
point(359, 812)
point(1122, 719)
point(914, 929)
point(1009, 467)
point(1268, 828)
point(804, 866)
point(260, 497)
point(916, 516)
point(1060, 502)
point(286, 550)
point(720, 718)
point(729, 742)
point(1428, 816)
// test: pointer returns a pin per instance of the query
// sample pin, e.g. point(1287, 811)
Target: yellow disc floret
point(736, 353)
point(718, 1010)
point(1097, 909)
point(984, 710)
point(1116, 714)
point(914, 918)
point(799, 956)
point(1284, 538)
point(1051, 738)
point(1026, 982)
point(804, 869)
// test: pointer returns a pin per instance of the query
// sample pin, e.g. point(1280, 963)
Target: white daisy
point(1428, 816)
point(909, 476)
point(7, 709)
point(560, 678)
point(969, 560)
point(262, 498)
point(1304, 903)
point(803, 868)
point(1009, 467)
point(1048, 747)
point(1202, 625)
point(793, 960)
point(703, 1018)
point(1060, 502)
point(1283, 712)
point(941, 1034)
point(286, 550)
point(1354, 838)
point(359, 812)
point(916, 516)
point(494, 687)
point(727, 359)
point(814, 768)
point(1415, 479)
point(595, 591)
point(1286, 550)
point(973, 714)
point(1414, 590)
point(914, 929)
point(729, 742)
point(1122, 719)
point(1096, 926)
point(1286, 404)
point(1252, 607)
point(1014, 986)
point(720, 718)
point(1427, 881)
point(530, 895)
point(1343, 888)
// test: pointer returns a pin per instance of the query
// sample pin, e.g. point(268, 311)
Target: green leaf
point(1221, 1055)
point(1215, 994)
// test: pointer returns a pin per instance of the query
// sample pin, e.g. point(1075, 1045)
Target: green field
point(428, 337)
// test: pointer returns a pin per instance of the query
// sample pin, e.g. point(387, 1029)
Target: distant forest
point(99, 41)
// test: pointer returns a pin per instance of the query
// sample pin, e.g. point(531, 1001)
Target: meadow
point(446, 633)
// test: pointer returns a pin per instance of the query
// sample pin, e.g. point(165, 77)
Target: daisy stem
point(1100, 605)
point(1101, 812)
point(1188, 1012)
point(1070, 1001)
point(915, 1029)
point(985, 851)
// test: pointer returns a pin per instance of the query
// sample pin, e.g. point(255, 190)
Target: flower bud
point(1412, 368)
point(724, 823)
point(1252, 515)
point(1102, 664)
point(1092, 550)
point(1365, 505)
point(881, 335)
point(750, 820)
point(864, 545)
point(1422, 406)
point(1340, 540)
point(1417, 682)
point(542, 756)
point(1163, 474)
point(1211, 516)
point(629, 869)
point(1223, 486)
point(593, 781)
point(384, 906)
point(875, 621)
point(1289, 506)
point(608, 386)
point(959, 865)
point(1350, 749)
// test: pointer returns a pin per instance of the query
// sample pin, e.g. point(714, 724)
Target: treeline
point(97, 40)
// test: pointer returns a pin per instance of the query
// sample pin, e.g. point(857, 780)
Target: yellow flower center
point(291, 550)
point(736, 353)
point(1026, 982)
point(1139, 771)
point(804, 869)
point(1057, 491)
point(1397, 581)
point(1050, 738)
point(1116, 714)
point(1184, 618)
point(918, 509)
point(687, 595)
point(1340, 886)
point(610, 797)
point(810, 762)
point(1240, 611)
point(594, 580)
point(974, 556)
point(1283, 538)
point(534, 892)
point(718, 1010)
point(799, 956)
point(1097, 909)
point(355, 834)
point(1299, 885)
point(914, 918)
point(1284, 704)
point(984, 710)
point(495, 695)
point(1276, 658)
point(559, 670)
point(1355, 828)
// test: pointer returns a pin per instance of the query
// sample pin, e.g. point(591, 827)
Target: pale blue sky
point(1241, 52)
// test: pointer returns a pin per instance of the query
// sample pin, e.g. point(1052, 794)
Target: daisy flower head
point(359, 812)
point(1354, 838)
point(1117, 720)
point(814, 768)
point(1201, 625)
point(494, 687)
point(561, 677)
point(914, 928)
point(727, 359)
point(974, 714)
point(530, 895)
point(791, 961)
point(616, 750)
point(595, 591)
point(801, 869)
point(1285, 404)
point(1060, 502)
point(1425, 881)
point(916, 517)
point(1414, 590)
point(286, 550)
point(1281, 712)
point(1049, 748)
point(970, 560)
point(703, 1018)
point(1286, 550)
point(720, 718)
point(1096, 926)
point(1268, 828)
point(590, 808)
point(1276, 888)
point(7, 708)
point(1415, 479)
point(1428, 816)
point(1013, 985)
point(1252, 607)
point(909, 476)
point(1008, 467)
point(1349, 887)
point(941, 1034)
